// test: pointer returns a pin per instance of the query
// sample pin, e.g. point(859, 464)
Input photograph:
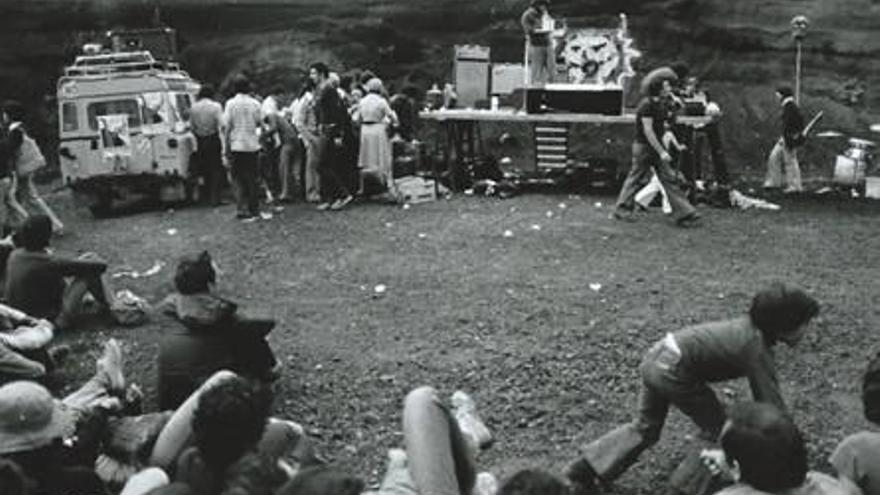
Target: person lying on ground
point(763, 453)
point(214, 335)
point(439, 457)
point(55, 443)
point(24, 346)
point(51, 287)
point(677, 371)
point(856, 458)
point(222, 436)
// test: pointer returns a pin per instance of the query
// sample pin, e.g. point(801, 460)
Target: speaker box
point(575, 98)
point(471, 71)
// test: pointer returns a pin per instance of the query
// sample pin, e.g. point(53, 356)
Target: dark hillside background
point(743, 49)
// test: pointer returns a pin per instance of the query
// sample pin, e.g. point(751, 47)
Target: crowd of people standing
point(320, 147)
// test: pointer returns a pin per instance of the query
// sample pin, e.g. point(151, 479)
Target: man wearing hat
point(539, 47)
point(55, 442)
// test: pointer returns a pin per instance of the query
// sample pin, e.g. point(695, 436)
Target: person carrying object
point(27, 159)
point(783, 160)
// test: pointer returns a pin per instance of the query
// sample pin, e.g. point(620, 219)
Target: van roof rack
point(118, 62)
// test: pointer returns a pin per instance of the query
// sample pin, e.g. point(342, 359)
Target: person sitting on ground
point(24, 346)
point(50, 287)
point(855, 458)
point(677, 371)
point(214, 336)
point(56, 443)
point(440, 447)
point(763, 452)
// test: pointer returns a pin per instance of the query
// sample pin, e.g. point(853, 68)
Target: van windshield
point(127, 106)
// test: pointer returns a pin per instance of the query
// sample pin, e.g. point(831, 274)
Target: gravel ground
point(544, 325)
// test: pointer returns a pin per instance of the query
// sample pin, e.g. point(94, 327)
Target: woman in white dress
point(374, 114)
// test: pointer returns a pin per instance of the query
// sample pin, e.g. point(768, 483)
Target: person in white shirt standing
point(206, 118)
point(243, 118)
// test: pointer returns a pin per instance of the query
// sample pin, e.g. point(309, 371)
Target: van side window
point(184, 103)
point(110, 107)
point(69, 117)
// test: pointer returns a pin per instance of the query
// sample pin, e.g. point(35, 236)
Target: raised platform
point(503, 115)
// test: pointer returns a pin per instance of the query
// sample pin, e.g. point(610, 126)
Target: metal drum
point(851, 167)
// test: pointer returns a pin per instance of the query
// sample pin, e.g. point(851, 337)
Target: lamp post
point(799, 24)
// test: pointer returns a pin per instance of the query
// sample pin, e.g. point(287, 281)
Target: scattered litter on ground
point(422, 235)
point(549, 214)
point(389, 225)
point(743, 202)
point(379, 289)
point(406, 206)
point(595, 287)
point(129, 309)
point(156, 268)
point(265, 215)
point(597, 204)
point(562, 206)
point(508, 233)
point(171, 231)
point(535, 227)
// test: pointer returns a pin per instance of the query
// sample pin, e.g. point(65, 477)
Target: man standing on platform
point(540, 56)
point(648, 153)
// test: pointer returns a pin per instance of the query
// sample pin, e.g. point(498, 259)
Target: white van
point(123, 128)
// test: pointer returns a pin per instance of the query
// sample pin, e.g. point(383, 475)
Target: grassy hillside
point(743, 49)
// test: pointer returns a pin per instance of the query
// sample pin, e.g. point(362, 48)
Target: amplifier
point(471, 70)
point(575, 98)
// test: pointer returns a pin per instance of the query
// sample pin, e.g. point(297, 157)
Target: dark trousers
point(209, 166)
point(244, 173)
point(269, 172)
point(691, 159)
point(333, 184)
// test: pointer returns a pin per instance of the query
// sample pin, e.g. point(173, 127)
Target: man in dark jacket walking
point(783, 158)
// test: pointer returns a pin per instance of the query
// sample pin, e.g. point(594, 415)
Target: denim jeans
point(438, 460)
point(664, 383)
point(644, 159)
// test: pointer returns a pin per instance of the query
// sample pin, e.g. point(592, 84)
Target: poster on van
point(115, 135)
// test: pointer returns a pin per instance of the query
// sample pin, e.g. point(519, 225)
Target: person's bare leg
point(107, 382)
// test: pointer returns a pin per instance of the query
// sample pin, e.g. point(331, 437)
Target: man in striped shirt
point(243, 118)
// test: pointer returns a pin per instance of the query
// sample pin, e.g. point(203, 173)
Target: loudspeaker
point(575, 98)
point(471, 73)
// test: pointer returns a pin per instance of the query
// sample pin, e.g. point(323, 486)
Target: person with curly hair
point(223, 433)
point(678, 369)
point(763, 453)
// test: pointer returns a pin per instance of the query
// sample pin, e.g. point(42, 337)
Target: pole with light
point(799, 25)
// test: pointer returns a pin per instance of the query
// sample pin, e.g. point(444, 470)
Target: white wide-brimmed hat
point(31, 418)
